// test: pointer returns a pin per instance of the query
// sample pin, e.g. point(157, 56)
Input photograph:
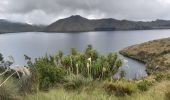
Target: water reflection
point(130, 70)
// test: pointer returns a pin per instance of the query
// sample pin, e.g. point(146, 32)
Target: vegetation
point(121, 88)
point(156, 54)
point(75, 82)
point(95, 92)
point(52, 70)
point(81, 76)
point(9, 91)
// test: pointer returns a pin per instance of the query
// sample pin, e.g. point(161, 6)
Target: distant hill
point(155, 54)
point(78, 24)
point(71, 24)
point(8, 27)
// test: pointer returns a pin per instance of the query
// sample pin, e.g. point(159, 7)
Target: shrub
point(48, 73)
point(144, 85)
point(49, 76)
point(50, 70)
point(122, 74)
point(76, 82)
point(121, 88)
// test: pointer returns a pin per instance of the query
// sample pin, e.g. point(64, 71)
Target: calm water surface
point(37, 44)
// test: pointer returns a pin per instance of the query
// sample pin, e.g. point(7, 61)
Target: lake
point(37, 44)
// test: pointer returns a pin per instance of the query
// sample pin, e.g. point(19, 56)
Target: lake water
point(37, 44)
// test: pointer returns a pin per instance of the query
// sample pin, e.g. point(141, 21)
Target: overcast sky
point(48, 11)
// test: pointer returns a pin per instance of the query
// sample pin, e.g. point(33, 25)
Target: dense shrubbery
point(51, 70)
point(85, 72)
point(76, 82)
point(49, 74)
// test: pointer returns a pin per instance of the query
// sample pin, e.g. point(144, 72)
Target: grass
point(65, 78)
point(160, 91)
point(76, 82)
point(9, 91)
point(121, 88)
point(95, 90)
point(61, 94)
point(156, 54)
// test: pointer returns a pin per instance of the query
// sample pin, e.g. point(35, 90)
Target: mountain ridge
point(12, 27)
point(77, 23)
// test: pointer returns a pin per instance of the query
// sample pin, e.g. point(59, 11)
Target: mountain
point(78, 24)
point(8, 27)
point(71, 24)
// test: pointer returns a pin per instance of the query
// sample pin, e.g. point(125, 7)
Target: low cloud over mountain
point(48, 11)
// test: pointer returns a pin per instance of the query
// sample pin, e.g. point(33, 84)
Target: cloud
point(47, 11)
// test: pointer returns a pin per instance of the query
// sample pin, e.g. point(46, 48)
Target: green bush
point(144, 85)
point(50, 70)
point(121, 88)
point(48, 73)
point(76, 82)
point(49, 76)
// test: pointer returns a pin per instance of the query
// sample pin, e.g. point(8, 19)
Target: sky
point(48, 11)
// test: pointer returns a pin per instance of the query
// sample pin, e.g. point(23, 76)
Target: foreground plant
point(51, 70)
point(121, 88)
point(9, 90)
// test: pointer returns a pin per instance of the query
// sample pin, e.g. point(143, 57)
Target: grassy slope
point(156, 54)
point(157, 92)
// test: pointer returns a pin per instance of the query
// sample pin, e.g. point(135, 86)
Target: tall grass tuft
point(121, 88)
point(9, 90)
point(76, 81)
point(167, 95)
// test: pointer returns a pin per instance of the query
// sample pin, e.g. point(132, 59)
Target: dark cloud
point(47, 11)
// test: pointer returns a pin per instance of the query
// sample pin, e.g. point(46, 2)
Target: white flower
point(89, 59)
